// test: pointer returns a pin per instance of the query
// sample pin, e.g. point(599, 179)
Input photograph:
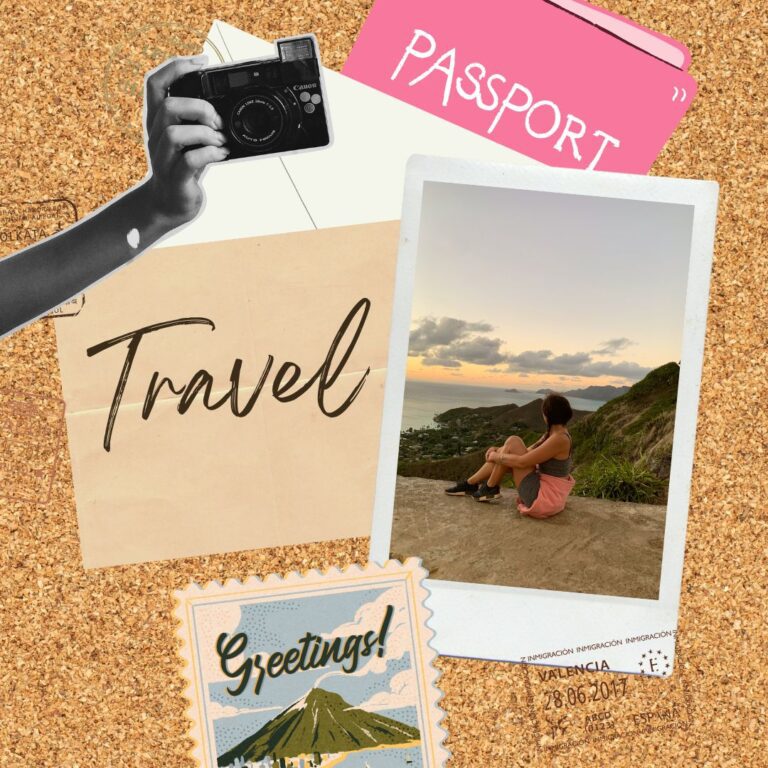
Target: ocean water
point(423, 399)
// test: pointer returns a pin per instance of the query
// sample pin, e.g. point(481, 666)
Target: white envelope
point(357, 180)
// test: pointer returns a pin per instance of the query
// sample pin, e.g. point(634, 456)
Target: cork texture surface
point(88, 659)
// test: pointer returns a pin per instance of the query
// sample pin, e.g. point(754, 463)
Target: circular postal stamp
point(24, 223)
point(653, 662)
point(569, 706)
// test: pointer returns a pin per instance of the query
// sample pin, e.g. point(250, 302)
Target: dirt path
point(596, 546)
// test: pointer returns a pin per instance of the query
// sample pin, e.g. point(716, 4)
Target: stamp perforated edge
point(434, 714)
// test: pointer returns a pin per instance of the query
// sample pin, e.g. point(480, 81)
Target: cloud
point(429, 333)
point(403, 692)
point(612, 346)
point(479, 350)
point(577, 364)
point(440, 362)
point(450, 343)
point(217, 711)
point(369, 616)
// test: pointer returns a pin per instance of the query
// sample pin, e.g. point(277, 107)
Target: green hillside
point(637, 426)
point(622, 451)
point(505, 417)
point(320, 722)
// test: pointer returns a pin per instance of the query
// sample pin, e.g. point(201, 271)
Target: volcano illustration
point(321, 722)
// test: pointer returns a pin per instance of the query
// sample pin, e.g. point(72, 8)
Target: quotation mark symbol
point(679, 92)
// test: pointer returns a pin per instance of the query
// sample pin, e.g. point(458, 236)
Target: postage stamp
point(23, 223)
point(569, 706)
point(313, 670)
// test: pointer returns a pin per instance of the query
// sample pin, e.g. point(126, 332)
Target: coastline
point(424, 399)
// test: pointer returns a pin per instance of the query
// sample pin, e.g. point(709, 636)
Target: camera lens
point(258, 121)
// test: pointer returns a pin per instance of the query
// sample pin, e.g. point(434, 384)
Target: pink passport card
point(565, 83)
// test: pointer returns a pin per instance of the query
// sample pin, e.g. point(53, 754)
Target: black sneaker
point(462, 489)
point(487, 493)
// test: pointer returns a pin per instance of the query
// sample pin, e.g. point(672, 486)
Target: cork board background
point(88, 666)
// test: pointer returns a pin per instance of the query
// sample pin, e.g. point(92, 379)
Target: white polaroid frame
point(535, 625)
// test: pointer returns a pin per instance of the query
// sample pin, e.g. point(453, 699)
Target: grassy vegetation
point(634, 430)
point(620, 480)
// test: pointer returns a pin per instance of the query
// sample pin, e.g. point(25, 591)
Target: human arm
point(495, 450)
point(548, 449)
point(538, 442)
point(46, 274)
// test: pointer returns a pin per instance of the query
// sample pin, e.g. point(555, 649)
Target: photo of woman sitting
point(541, 471)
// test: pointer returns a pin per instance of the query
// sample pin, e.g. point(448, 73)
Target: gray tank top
point(558, 467)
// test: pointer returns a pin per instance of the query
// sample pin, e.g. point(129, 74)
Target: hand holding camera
point(265, 105)
point(193, 116)
point(183, 136)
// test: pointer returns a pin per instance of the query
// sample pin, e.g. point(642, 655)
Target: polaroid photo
point(540, 407)
point(312, 671)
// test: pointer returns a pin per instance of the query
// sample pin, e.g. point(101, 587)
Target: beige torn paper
point(174, 478)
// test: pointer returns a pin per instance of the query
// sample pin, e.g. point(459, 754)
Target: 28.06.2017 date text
point(594, 690)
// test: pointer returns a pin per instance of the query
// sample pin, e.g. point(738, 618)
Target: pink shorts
point(553, 493)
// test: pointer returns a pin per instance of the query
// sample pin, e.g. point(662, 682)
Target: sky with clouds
point(526, 289)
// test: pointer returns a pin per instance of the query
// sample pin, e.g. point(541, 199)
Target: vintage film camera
point(268, 105)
